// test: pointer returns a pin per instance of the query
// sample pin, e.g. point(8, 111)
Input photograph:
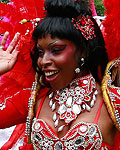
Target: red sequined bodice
point(86, 136)
point(81, 136)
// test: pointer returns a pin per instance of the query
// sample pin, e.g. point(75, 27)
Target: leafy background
point(99, 7)
point(98, 4)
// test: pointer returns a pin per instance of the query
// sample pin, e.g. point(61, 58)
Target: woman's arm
point(13, 99)
point(16, 108)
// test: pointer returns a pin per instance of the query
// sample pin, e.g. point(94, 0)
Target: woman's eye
point(58, 49)
point(41, 53)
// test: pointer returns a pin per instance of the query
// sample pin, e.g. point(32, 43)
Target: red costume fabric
point(112, 28)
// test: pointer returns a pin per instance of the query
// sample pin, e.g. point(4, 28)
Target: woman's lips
point(51, 75)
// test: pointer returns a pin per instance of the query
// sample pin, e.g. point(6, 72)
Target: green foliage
point(99, 7)
point(4, 1)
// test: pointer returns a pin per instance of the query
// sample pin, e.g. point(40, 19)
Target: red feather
point(112, 28)
point(12, 13)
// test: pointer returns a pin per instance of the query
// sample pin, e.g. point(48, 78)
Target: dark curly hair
point(58, 23)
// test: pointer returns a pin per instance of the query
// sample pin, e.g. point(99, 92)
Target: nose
point(45, 61)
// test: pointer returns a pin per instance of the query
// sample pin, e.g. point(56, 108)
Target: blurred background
point(98, 4)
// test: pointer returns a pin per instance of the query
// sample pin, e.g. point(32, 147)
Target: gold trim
point(105, 90)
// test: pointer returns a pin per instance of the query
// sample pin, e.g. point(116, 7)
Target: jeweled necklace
point(73, 100)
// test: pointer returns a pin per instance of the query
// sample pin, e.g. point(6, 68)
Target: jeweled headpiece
point(85, 25)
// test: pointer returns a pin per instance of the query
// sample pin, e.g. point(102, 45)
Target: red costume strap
point(41, 102)
point(98, 112)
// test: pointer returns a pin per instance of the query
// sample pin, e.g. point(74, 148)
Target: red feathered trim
point(12, 14)
point(17, 135)
point(112, 28)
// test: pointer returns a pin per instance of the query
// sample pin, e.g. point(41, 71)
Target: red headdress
point(112, 28)
point(13, 16)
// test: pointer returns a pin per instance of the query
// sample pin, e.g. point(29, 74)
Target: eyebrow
point(53, 43)
point(49, 44)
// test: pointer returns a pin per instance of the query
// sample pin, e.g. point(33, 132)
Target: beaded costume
point(81, 136)
point(14, 99)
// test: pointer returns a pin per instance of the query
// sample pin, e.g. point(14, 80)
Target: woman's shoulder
point(111, 90)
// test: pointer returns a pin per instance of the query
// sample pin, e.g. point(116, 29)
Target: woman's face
point(57, 61)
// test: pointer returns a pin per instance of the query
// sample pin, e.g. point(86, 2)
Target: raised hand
point(8, 57)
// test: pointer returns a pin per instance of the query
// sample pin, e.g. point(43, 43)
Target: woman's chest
point(80, 136)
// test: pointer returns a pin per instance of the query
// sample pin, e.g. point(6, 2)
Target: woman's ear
point(80, 57)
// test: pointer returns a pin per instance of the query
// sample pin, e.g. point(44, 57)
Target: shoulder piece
point(111, 93)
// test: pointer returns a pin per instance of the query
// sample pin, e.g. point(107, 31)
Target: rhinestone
point(38, 137)
point(54, 117)
point(77, 88)
point(79, 141)
point(98, 144)
point(51, 103)
point(68, 120)
point(83, 128)
point(79, 101)
point(96, 92)
point(91, 140)
point(53, 107)
point(61, 128)
point(62, 109)
point(118, 91)
point(76, 109)
point(87, 107)
point(83, 106)
point(94, 97)
point(37, 126)
point(58, 146)
point(85, 81)
point(92, 103)
point(69, 110)
point(56, 123)
point(92, 131)
point(51, 95)
point(69, 102)
point(37, 19)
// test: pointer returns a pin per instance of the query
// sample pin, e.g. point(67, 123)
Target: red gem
point(57, 96)
point(68, 115)
point(63, 116)
point(87, 98)
point(73, 115)
point(82, 22)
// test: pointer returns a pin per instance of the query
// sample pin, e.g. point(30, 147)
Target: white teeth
point(50, 73)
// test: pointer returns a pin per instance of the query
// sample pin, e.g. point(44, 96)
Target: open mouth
point(50, 76)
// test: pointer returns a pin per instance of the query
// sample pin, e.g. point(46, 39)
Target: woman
point(69, 56)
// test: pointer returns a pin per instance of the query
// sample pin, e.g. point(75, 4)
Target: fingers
point(13, 43)
point(13, 60)
point(15, 51)
point(3, 42)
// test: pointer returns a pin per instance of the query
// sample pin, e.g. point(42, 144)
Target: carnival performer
point(69, 58)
